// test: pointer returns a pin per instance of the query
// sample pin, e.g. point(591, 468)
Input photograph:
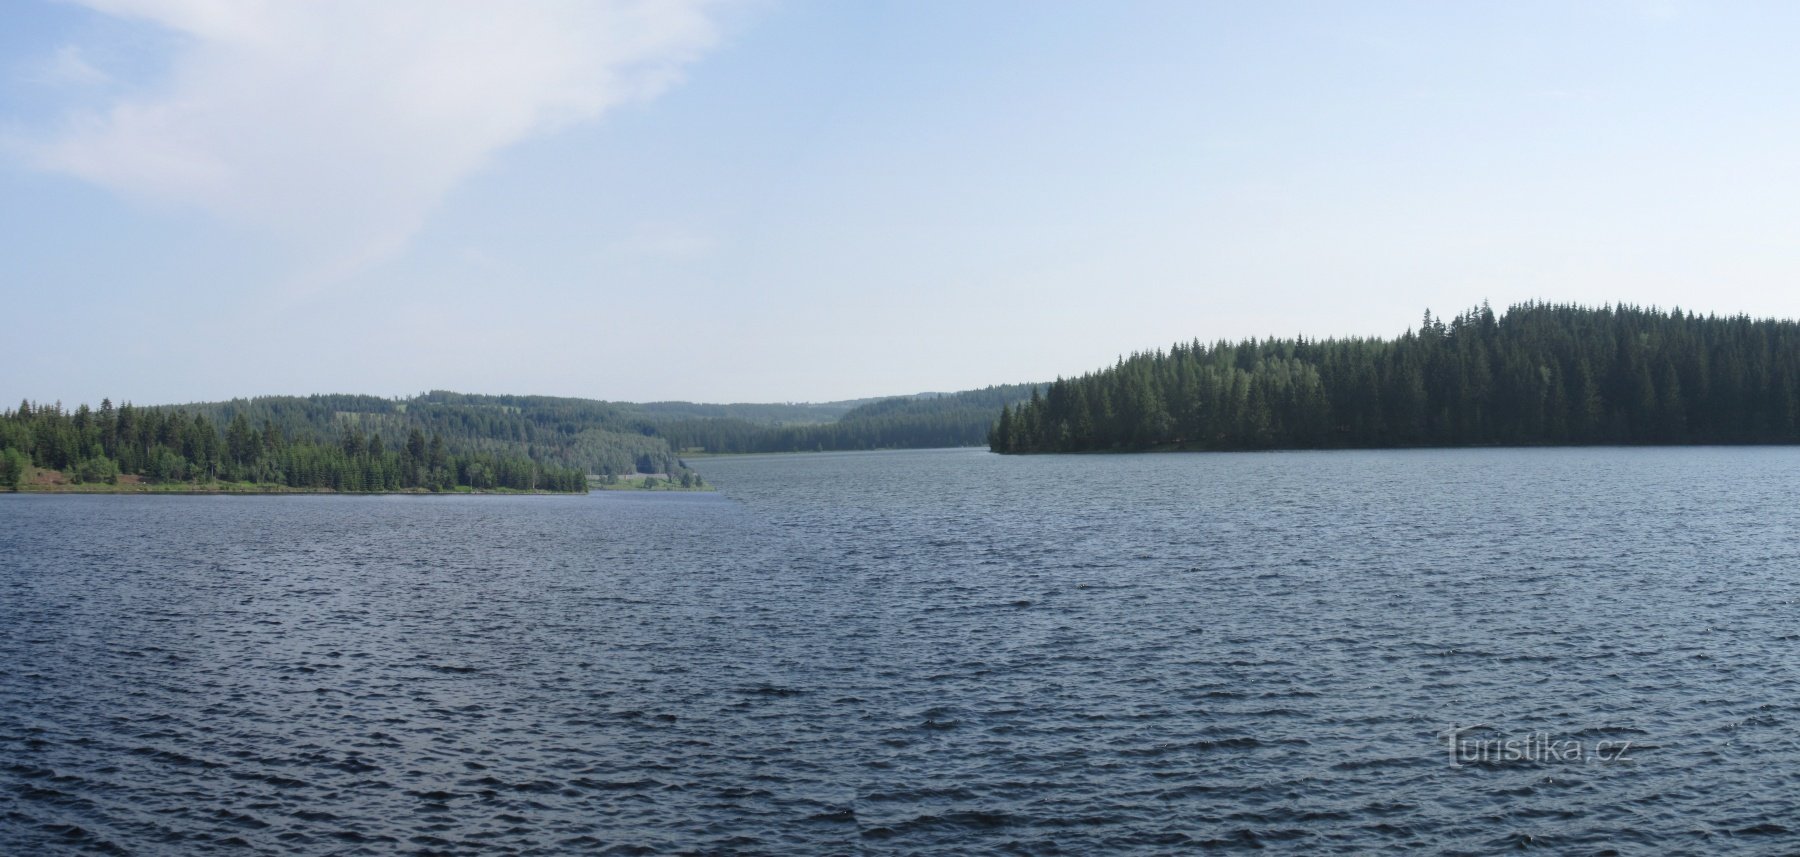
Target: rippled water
point(921, 652)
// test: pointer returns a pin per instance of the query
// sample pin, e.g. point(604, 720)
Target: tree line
point(371, 443)
point(622, 438)
point(168, 445)
point(1538, 374)
point(598, 438)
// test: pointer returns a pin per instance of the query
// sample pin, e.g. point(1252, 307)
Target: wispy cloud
point(339, 124)
point(70, 66)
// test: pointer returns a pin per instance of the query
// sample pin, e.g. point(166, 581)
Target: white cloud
point(69, 66)
point(338, 124)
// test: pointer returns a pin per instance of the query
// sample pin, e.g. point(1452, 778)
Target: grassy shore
point(637, 484)
point(51, 481)
point(41, 481)
point(236, 488)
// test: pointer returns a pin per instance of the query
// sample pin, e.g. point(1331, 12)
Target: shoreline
point(686, 455)
point(43, 481)
point(1159, 449)
point(177, 488)
point(265, 490)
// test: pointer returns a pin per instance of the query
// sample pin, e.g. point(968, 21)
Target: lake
point(924, 652)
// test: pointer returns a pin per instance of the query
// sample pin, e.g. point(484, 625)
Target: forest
point(170, 445)
point(447, 441)
point(1538, 374)
point(600, 438)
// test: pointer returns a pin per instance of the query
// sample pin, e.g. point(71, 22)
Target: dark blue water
point(923, 652)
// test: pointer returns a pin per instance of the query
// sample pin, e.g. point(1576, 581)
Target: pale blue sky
point(820, 200)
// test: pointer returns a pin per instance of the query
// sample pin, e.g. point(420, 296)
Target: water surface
point(920, 652)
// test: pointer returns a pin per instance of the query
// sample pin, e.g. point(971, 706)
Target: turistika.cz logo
point(1477, 745)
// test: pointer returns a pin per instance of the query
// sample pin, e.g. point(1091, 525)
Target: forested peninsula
point(1539, 374)
point(157, 449)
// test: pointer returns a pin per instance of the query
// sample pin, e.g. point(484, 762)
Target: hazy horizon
point(70, 404)
point(808, 202)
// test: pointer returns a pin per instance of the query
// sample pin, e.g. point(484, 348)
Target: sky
point(768, 200)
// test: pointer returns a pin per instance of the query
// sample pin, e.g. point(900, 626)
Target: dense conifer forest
point(1538, 374)
point(172, 445)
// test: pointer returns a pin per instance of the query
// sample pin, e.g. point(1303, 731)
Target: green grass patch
point(638, 484)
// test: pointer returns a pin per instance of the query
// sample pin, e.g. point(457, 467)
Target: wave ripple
point(920, 653)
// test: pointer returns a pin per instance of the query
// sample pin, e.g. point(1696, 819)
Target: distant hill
point(803, 413)
point(900, 422)
point(618, 438)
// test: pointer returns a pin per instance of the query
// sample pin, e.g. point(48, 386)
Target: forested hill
point(1539, 374)
point(443, 440)
point(623, 437)
point(906, 422)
